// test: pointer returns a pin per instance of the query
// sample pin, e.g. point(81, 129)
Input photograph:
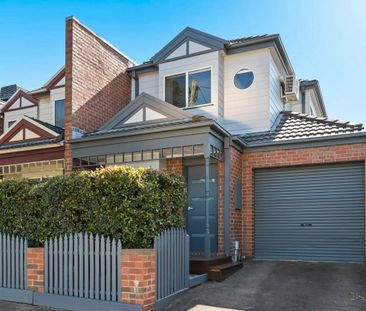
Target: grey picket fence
point(83, 265)
point(13, 258)
point(172, 264)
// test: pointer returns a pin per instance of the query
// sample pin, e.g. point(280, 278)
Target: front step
point(201, 265)
point(221, 272)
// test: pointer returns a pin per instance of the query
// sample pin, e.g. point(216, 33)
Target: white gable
point(26, 102)
point(195, 47)
point(180, 51)
point(18, 136)
point(61, 82)
point(137, 117)
point(151, 114)
point(16, 104)
point(30, 134)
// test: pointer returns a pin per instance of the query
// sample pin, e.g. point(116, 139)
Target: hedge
point(132, 205)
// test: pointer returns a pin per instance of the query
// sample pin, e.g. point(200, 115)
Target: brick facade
point(236, 225)
point(97, 83)
point(175, 165)
point(220, 208)
point(35, 269)
point(282, 158)
point(138, 277)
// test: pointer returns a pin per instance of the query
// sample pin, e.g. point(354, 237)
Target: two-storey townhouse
point(266, 170)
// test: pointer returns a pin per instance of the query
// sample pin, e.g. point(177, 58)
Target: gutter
point(21, 149)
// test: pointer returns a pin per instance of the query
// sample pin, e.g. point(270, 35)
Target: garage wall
point(282, 158)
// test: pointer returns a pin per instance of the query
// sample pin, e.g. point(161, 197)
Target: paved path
point(282, 286)
point(10, 306)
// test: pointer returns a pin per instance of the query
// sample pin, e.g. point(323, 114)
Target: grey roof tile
point(293, 125)
point(142, 127)
point(249, 39)
point(31, 143)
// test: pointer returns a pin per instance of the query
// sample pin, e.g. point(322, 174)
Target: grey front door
point(196, 211)
point(310, 213)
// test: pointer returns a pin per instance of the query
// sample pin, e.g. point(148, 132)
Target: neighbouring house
point(269, 175)
point(36, 125)
point(264, 165)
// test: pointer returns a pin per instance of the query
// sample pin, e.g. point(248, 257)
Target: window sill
point(198, 106)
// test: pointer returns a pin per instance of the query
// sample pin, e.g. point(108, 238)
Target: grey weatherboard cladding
point(310, 213)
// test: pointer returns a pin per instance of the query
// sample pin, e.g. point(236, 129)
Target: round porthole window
point(243, 79)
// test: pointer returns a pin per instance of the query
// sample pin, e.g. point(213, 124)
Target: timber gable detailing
point(20, 100)
point(25, 130)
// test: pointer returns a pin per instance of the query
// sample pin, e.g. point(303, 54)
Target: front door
point(196, 210)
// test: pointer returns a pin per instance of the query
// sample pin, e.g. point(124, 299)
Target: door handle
point(189, 208)
point(306, 225)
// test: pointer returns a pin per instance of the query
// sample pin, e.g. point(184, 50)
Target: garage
point(310, 213)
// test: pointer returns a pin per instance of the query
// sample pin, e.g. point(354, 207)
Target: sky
point(325, 39)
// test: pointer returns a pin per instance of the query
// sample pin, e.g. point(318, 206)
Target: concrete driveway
point(282, 286)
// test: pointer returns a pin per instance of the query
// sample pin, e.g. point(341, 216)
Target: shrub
point(132, 205)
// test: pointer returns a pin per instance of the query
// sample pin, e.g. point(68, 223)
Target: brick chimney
point(97, 83)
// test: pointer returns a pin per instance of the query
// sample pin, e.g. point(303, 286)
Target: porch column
point(207, 204)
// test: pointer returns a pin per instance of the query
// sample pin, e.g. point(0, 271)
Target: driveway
point(282, 286)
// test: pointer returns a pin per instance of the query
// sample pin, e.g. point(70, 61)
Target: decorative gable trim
point(26, 129)
point(54, 82)
point(184, 37)
point(145, 108)
point(20, 100)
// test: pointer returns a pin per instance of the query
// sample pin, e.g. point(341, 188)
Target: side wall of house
point(283, 158)
point(236, 220)
point(247, 110)
point(15, 115)
point(275, 101)
point(45, 109)
point(148, 83)
point(97, 82)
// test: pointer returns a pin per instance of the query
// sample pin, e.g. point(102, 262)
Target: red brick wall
point(175, 165)
point(281, 158)
point(236, 227)
point(138, 277)
point(220, 207)
point(35, 269)
point(97, 83)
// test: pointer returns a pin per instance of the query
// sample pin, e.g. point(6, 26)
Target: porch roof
point(165, 134)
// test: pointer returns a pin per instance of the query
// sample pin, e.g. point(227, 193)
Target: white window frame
point(186, 73)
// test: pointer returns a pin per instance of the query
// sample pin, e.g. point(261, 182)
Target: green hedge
point(130, 204)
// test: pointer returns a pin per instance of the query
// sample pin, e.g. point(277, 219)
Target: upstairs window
point(189, 89)
point(175, 90)
point(60, 113)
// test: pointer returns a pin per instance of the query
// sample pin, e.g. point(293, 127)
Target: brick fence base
point(137, 275)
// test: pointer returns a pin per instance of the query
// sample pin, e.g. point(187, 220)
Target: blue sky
point(325, 39)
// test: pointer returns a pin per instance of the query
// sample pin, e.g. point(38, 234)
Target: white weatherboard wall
point(45, 109)
point(199, 62)
point(247, 110)
point(149, 83)
point(15, 115)
point(275, 100)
